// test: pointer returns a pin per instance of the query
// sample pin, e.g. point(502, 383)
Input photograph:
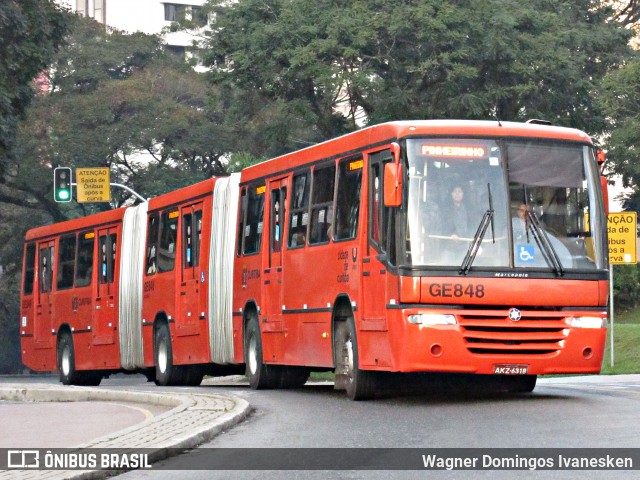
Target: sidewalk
point(191, 420)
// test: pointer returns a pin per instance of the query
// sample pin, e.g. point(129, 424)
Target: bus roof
point(162, 201)
point(76, 224)
point(384, 133)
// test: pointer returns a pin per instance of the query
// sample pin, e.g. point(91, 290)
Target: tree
point(627, 12)
point(120, 101)
point(112, 98)
point(620, 100)
point(430, 59)
point(31, 32)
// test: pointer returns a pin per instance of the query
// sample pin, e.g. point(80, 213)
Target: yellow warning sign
point(622, 230)
point(93, 185)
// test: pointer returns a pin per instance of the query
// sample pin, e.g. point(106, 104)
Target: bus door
point(44, 308)
point(273, 282)
point(374, 272)
point(106, 313)
point(192, 276)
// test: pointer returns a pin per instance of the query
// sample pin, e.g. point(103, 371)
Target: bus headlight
point(432, 319)
point(588, 322)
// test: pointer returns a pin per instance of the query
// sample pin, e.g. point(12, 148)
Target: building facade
point(147, 16)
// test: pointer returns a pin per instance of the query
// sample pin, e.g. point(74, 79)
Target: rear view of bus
point(500, 252)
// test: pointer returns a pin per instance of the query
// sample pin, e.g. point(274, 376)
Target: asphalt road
point(568, 412)
point(579, 412)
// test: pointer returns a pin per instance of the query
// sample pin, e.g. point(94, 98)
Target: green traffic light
point(62, 182)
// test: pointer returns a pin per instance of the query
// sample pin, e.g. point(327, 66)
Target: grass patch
point(627, 316)
point(626, 346)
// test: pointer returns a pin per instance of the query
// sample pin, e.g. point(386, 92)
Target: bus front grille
point(536, 333)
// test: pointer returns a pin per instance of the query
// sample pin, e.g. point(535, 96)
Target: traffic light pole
point(130, 190)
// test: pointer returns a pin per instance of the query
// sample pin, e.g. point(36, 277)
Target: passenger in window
point(520, 222)
point(298, 238)
point(456, 216)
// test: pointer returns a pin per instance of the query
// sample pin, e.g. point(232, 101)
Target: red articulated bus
point(419, 246)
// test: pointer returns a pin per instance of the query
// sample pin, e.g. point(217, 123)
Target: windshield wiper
point(474, 248)
point(541, 238)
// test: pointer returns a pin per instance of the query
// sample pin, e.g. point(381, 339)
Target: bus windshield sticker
point(526, 253)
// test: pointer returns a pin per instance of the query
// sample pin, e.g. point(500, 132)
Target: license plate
point(510, 369)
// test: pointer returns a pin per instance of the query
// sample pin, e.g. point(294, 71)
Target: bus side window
point(46, 269)
point(84, 262)
point(254, 220)
point(348, 199)
point(379, 215)
point(152, 244)
point(66, 262)
point(29, 269)
point(191, 237)
point(167, 243)
point(299, 218)
point(112, 260)
point(278, 197)
point(187, 242)
point(198, 237)
point(107, 257)
point(322, 204)
point(242, 217)
point(375, 195)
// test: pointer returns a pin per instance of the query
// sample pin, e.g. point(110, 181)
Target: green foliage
point(119, 101)
point(387, 60)
point(626, 338)
point(626, 286)
point(31, 32)
point(620, 100)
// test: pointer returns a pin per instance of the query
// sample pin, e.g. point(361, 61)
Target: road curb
point(193, 419)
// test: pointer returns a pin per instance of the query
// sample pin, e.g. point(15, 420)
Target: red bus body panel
point(297, 293)
point(42, 318)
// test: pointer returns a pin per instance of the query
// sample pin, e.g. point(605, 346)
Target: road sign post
point(623, 234)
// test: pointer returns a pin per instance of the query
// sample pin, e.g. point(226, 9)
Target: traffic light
point(62, 184)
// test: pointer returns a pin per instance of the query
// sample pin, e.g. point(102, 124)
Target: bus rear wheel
point(260, 376)
point(292, 377)
point(359, 384)
point(192, 375)
point(166, 372)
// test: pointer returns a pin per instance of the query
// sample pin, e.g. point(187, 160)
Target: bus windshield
point(503, 204)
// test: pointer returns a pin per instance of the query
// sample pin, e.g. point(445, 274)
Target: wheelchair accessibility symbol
point(526, 253)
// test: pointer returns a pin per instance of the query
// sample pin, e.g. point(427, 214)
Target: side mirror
point(605, 193)
point(392, 184)
point(600, 157)
point(395, 152)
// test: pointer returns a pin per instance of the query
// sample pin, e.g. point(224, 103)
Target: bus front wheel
point(359, 384)
point(67, 365)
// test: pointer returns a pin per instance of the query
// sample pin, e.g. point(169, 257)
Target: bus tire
point(359, 384)
point(66, 360)
point(166, 371)
point(260, 376)
point(520, 384)
point(192, 375)
point(292, 377)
